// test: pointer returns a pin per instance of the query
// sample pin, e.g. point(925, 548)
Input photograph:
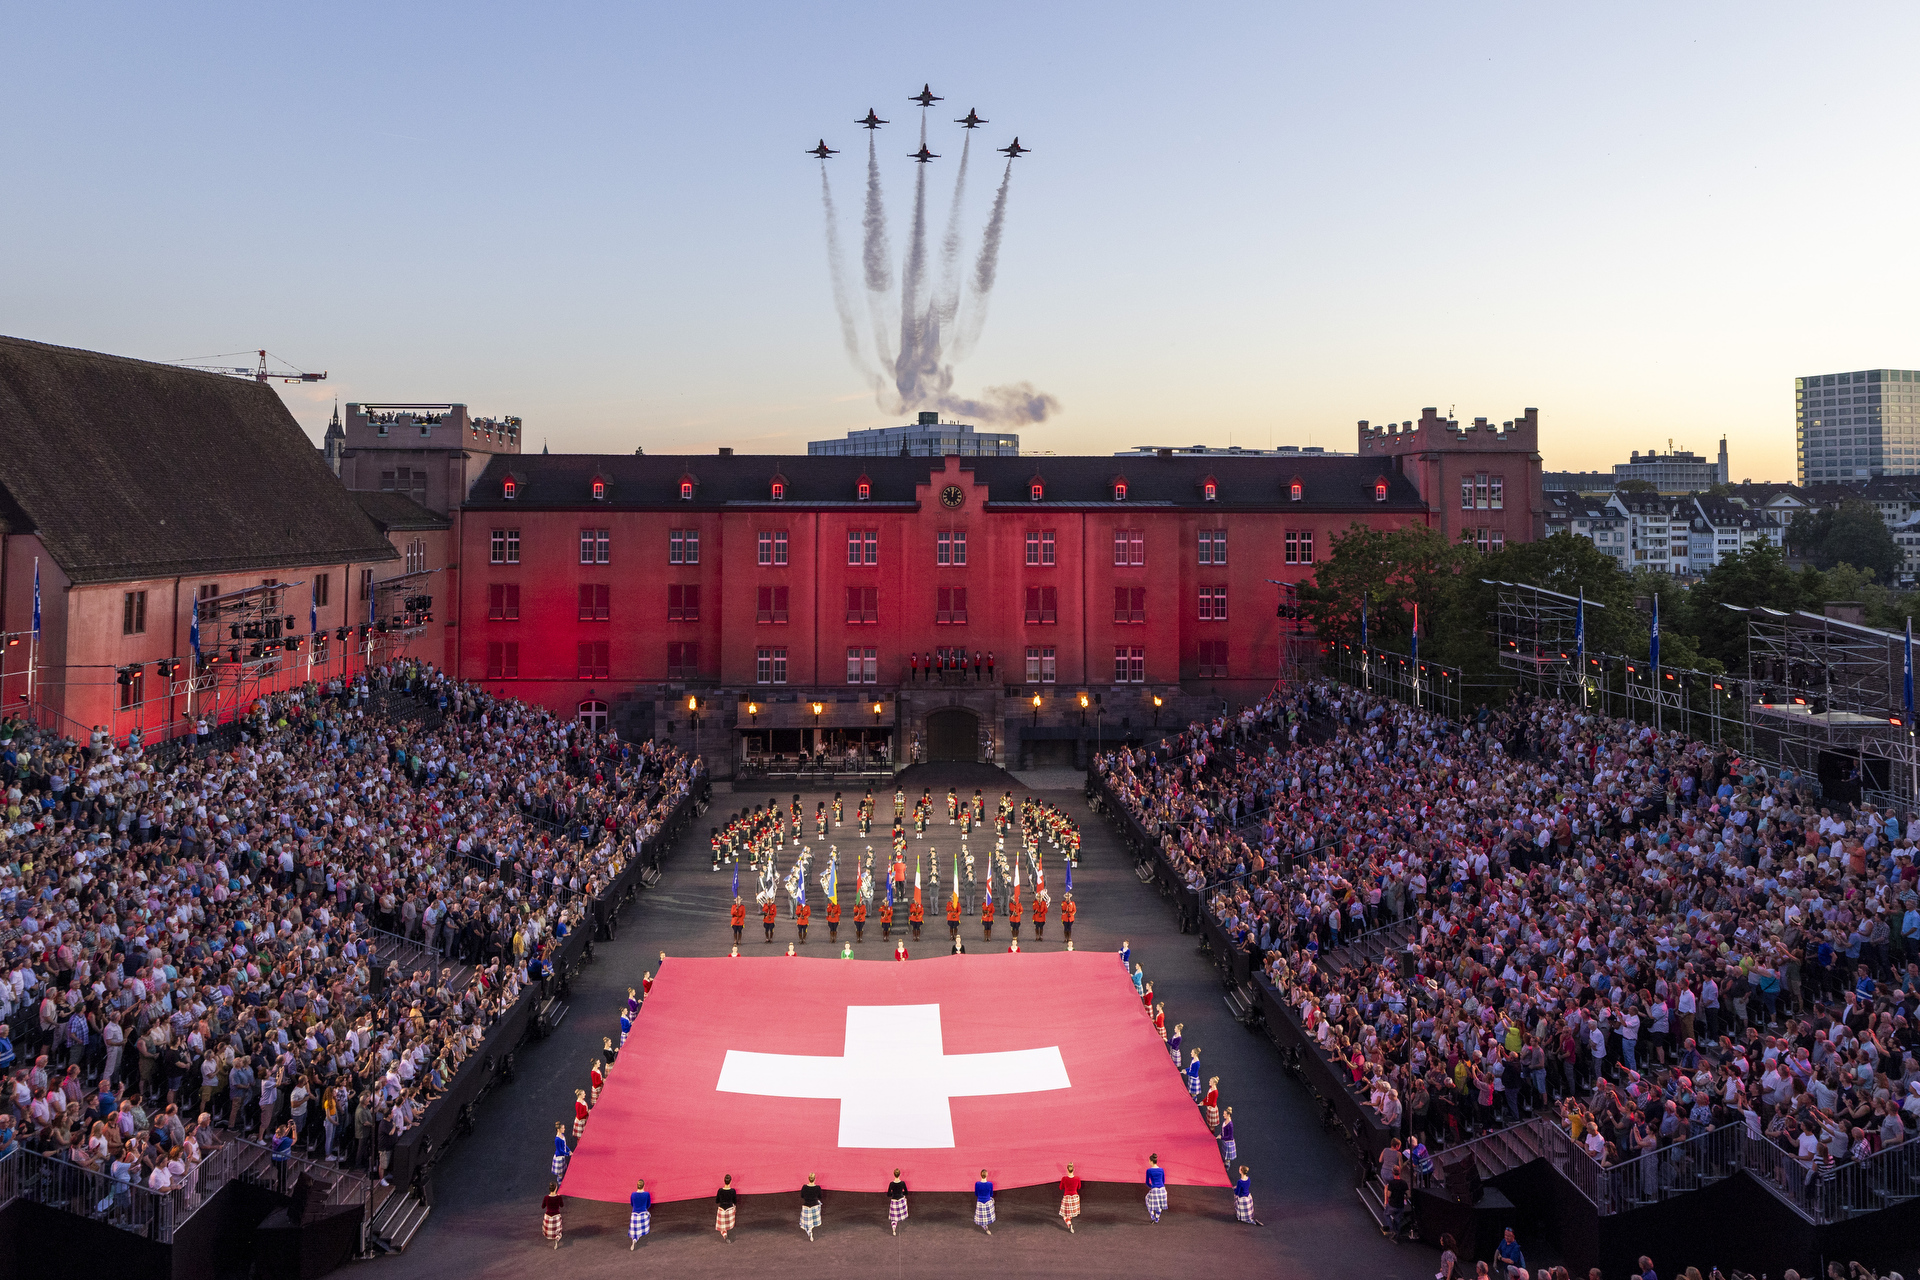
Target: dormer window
point(510, 489)
point(1380, 489)
point(686, 491)
point(1210, 491)
point(1294, 490)
point(779, 490)
point(864, 490)
point(1119, 490)
point(1036, 491)
point(599, 490)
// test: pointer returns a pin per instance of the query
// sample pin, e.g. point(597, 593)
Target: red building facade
point(806, 597)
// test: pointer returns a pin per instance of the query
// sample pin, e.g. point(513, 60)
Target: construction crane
point(259, 372)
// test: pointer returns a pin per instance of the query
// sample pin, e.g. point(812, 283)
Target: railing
point(59, 1185)
point(1670, 1171)
point(1850, 1189)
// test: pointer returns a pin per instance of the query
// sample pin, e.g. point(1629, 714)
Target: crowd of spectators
point(193, 938)
point(1641, 935)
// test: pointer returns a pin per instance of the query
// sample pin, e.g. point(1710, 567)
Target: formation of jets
point(926, 98)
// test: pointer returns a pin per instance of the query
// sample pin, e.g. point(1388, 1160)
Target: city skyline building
point(926, 438)
point(1676, 470)
point(1854, 426)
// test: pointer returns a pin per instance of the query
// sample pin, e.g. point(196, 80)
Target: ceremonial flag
point(1416, 641)
point(193, 632)
point(1580, 633)
point(833, 879)
point(916, 882)
point(1069, 875)
point(1363, 620)
point(36, 597)
point(736, 879)
point(1653, 652)
point(313, 608)
point(889, 890)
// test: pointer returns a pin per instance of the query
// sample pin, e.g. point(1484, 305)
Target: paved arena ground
point(486, 1217)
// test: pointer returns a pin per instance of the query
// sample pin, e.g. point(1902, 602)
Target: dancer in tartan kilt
point(1193, 1075)
point(726, 1205)
point(1212, 1104)
point(896, 1202)
point(1228, 1148)
point(1156, 1188)
point(809, 1206)
point(1243, 1199)
point(550, 1206)
point(1069, 1198)
point(596, 1081)
point(1173, 1044)
point(561, 1152)
point(639, 1213)
point(983, 1204)
point(580, 1109)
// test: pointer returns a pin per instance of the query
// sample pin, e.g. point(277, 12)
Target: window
point(1212, 491)
point(503, 601)
point(1129, 664)
point(1466, 493)
point(770, 666)
point(1379, 490)
point(134, 690)
point(1213, 660)
point(683, 546)
point(593, 717)
point(683, 602)
point(1040, 547)
point(951, 606)
point(1035, 491)
point(417, 556)
point(686, 491)
point(503, 660)
point(1119, 490)
point(1040, 664)
point(133, 613)
point(1129, 604)
point(1498, 539)
point(366, 584)
point(510, 489)
point(1213, 546)
point(863, 546)
point(865, 491)
point(1299, 546)
point(594, 546)
point(1213, 604)
point(773, 605)
point(779, 490)
point(951, 548)
point(1293, 491)
point(1496, 488)
point(506, 546)
point(599, 490)
point(1129, 547)
point(593, 660)
point(593, 601)
point(1043, 604)
point(773, 546)
point(683, 660)
point(863, 665)
point(1480, 491)
point(863, 604)
point(1481, 540)
point(323, 585)
point(208, 590)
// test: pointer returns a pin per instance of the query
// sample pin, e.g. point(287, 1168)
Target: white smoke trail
point(837, 271)
point(875, 254)
point(947, 301)
point(911, 366)
point(985, 268)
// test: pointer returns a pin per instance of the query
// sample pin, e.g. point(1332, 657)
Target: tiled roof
point(127, 469)
point(398, 511)
point(653, 480)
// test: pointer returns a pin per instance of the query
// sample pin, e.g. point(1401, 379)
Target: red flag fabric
point(771, 1069)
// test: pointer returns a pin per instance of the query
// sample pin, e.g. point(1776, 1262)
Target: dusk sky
point(1239, 224)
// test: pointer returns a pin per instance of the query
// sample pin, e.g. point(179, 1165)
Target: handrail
point(1670, 1171)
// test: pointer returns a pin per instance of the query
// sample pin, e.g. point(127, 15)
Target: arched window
point(779, 490)
point(599, 490)
point(686, 491)
point(510, 490)
point(417, 556)
point(1119, 490)
point(1379, 490)
point(1293, 491)
point(593, 716)
point(1212, 491)
point(1036, 491)
point(866, 491)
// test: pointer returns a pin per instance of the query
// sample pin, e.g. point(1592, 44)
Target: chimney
point(726, 451)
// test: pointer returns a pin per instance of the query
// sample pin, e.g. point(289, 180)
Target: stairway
point(1371, 948)
point(396, 1216)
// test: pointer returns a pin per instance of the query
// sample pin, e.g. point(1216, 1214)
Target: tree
point(1564, 563)
point(1393, 570)
point(1754, 577)
point(1852, 534)
point(1636, 486)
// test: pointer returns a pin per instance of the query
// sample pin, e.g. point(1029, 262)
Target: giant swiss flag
point(773, 1068)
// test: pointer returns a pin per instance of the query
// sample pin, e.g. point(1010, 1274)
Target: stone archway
point(953, 733)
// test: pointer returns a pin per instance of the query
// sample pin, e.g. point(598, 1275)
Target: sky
point(1239, 224)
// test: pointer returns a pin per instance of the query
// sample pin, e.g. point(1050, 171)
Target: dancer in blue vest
point(1156, 1188)
point(640, 1213)
point(1243, 1199)
point(561, 1152)
point(1193, 1075)
point(1228, 1148)
point(983, 1203)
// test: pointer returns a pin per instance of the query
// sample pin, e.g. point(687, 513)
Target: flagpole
point(1416, 654)
point(1654, 654)
point(1913, 759)
point(1580, 645)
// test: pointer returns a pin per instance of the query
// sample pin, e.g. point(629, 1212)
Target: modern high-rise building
point(1853, 426)
point(927, 438)
point(1676, 470)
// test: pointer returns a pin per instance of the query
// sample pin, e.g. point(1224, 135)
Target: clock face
point(952, 496)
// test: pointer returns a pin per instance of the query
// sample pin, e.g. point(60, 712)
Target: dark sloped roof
point(653, 480)
point(398, 511)
point(127, 469)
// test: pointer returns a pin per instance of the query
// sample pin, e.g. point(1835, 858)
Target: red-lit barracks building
point(856, 604)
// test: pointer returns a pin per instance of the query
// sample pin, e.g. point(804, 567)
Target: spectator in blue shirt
point(1509, 1251)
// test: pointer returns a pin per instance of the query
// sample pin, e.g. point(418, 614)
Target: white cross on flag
point(771, 1068)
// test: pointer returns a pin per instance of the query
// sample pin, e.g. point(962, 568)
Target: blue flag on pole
point(1069, 875)
point(36, 598)
point(1654, 649)
point(1580, 633)
point(736, 879)
point(1363, 621)
point(313, 608)
point(1416, 639)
